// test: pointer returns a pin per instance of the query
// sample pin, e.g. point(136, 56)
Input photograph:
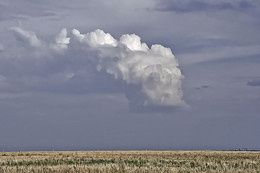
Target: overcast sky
point(121, 74)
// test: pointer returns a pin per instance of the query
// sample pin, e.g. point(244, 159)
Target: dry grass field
point(130, 161)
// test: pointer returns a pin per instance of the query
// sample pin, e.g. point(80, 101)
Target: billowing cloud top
point(147, 76)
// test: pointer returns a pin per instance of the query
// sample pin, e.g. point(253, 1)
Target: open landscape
point(168, 86)
point(130, 161)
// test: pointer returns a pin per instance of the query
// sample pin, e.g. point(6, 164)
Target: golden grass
point(130, 161)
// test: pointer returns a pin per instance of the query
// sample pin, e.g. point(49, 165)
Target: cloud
point(2, 80)
point(26, 36)
point(254, 83)
point(62, 41)
point(225, 53)
point(203, 5)
point(154, 72)
point(13, 10)
point(149, 77)
point(1, 47)
point(202, 87)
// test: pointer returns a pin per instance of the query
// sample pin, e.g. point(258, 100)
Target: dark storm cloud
point(202, 5)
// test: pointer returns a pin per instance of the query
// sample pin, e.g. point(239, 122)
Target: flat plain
point(130, 161)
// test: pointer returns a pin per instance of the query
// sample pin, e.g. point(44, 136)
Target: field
point(130, 161)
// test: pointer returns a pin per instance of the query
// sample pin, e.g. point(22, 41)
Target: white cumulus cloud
point(147, 76)
point(154, 70)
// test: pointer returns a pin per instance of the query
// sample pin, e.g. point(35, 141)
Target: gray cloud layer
point(203, 5)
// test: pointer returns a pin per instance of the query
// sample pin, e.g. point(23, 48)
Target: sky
point(129, 75)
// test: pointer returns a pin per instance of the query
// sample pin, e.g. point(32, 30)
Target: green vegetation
point(130, 161)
